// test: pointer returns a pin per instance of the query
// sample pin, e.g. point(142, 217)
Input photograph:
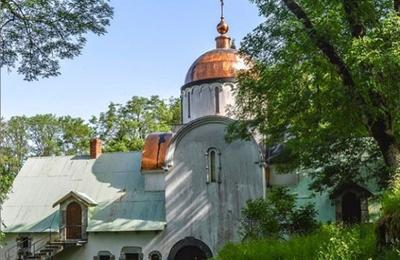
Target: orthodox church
point(178, 199)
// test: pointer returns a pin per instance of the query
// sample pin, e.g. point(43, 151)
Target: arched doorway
point(190, 249)
point(351, 208)
point(74, 221)
point(190, 253)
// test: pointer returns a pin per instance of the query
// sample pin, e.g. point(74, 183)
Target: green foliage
point(124, 127)
point(390, 219)
point(329, 242)
point(36, 34)
point(333, 108)
point(40, 135)
point(276, 216)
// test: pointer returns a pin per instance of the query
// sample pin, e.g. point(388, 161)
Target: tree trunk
point(387, 142)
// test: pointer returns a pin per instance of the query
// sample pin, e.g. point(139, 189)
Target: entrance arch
point(190, 248)
point(351, 208)
point(74, 221)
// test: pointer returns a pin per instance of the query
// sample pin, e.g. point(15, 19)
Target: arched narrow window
point(189, 104)
point(216, 100)
point(213, 159)
point(213, 165)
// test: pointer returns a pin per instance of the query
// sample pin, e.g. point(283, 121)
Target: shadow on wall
point(187, 211)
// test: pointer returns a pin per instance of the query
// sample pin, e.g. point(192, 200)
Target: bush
point(276, 216)
point(389, 224)
point(328, 242)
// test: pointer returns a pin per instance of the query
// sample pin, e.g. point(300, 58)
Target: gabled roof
point(113, 181)
point(351, 186)
point(79, 196)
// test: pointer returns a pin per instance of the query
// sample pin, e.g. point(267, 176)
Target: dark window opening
point(25, 241)
point(217, 100)
point(104, 255)
point(24, 246)
point(213, 161)
point(189, 104)
point(131, 256)
point(155, 255)
point(213, 170)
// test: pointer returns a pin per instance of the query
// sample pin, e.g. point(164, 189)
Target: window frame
point(217, 100)
point(213, 167)
point(104, 253)
point(155, 252)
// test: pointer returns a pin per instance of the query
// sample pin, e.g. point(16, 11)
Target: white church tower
point(211, 80)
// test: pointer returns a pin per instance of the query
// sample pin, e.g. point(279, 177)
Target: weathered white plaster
point(203, 101)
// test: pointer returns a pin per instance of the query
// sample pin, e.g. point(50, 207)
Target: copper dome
point(216, 64)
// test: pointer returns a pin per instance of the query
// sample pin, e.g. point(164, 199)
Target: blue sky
point(148, 49)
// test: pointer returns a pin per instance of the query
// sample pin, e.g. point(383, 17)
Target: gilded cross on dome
point(222, 9)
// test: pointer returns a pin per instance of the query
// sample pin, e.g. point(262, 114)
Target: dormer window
point(73, 215)
point(213, 159)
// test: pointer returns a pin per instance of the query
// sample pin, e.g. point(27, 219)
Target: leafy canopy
point(125, 127)
point(325, 83)
point(36, 34)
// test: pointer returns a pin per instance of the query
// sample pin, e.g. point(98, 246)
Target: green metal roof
point(113, 181)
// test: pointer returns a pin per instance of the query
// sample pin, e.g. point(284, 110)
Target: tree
point(325, 72)
point(36, 34)
point(125, 127)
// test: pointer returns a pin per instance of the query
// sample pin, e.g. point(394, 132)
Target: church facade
point(178, 199)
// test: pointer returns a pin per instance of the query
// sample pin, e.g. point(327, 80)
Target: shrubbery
point(329, 242)
point(276, 216)
point(389, 223)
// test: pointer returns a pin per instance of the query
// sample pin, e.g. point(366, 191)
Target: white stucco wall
point(202, 100)
point(209, 212)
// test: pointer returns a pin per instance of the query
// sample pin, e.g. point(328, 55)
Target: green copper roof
point(113, 183)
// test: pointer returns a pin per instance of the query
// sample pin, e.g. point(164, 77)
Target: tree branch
point(327, 49)
point(396, 6)
point(356, 26)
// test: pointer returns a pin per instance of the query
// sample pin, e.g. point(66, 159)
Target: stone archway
point(190, 248)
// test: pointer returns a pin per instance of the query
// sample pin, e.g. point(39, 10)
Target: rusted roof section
point(216, 64)
point(155, 151)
